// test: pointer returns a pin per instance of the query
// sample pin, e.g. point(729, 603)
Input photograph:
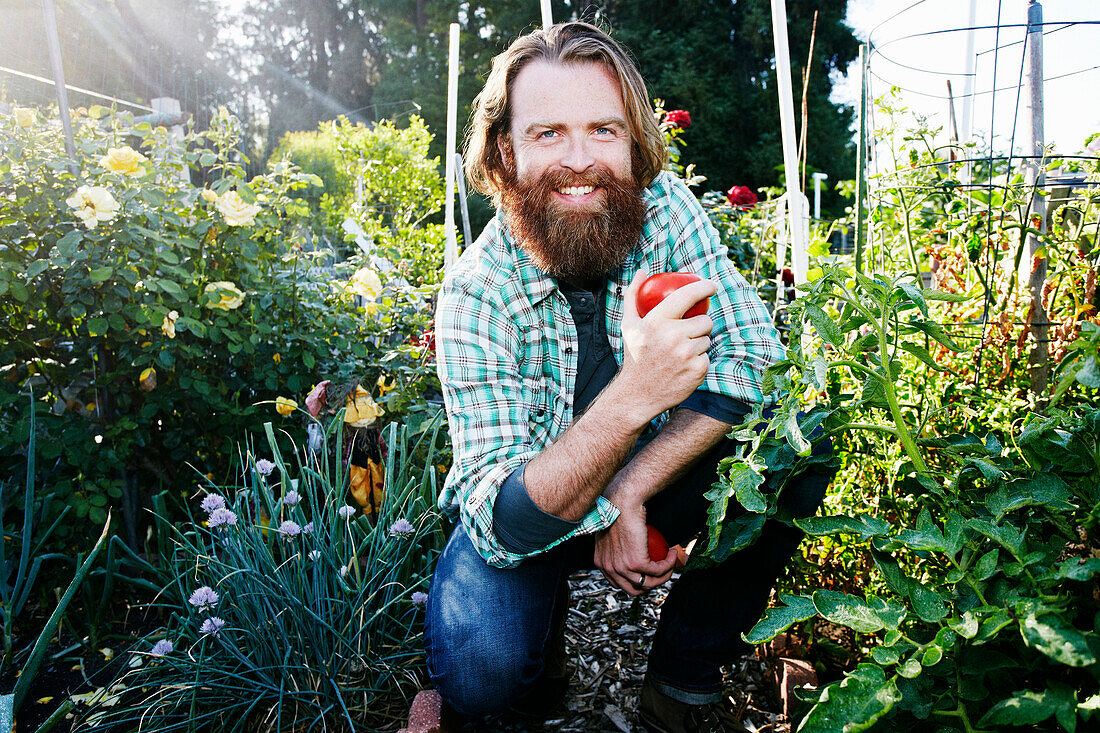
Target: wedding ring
point(640, 584)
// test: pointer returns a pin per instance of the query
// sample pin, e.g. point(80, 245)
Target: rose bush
point(155, 320)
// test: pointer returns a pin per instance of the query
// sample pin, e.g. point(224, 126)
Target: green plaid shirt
point(507, 351)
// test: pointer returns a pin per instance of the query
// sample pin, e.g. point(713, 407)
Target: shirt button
point(569, 349)
point(619, 290)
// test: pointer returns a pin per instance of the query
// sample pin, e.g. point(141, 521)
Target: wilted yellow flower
point(93, 204)
point(365, 282)
point(24, 116)
point(123, 160)
point(276, 357)
point(168, 328)
point(148, 380)
point(208, 196)
point(361, 409)
point(235, 211)
point(384, 386)
point(229, 296)
point(285, 406)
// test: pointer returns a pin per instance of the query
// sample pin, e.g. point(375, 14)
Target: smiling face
point(570, 193)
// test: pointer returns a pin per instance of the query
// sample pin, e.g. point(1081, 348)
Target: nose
point(577, 157)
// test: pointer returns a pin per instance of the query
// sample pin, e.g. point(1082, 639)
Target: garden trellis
point(1013, 42)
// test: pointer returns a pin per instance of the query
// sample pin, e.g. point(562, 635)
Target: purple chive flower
point(419, 599)
point(307, 528)
point(346, 511)
point(314, 555)
point(264, 466)
point(401, 528)
point(204, 598)
point(222, 518)
point(291, 497)
point(290, 529)
point(212, 502)
point(212, 626)
point(162, 647)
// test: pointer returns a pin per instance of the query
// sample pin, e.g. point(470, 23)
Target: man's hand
point(665, 355)
point(622, 553)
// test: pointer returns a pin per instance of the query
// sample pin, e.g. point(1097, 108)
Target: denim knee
point(485, 629)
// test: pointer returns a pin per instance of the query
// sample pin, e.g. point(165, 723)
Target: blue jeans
point(488, 630)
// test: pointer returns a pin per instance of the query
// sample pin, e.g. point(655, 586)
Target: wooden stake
point(1039, 359)
point(450, 251)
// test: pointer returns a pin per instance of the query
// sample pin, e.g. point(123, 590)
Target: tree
point(716, 59)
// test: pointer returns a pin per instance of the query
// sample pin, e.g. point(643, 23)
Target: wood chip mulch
point(608, 636)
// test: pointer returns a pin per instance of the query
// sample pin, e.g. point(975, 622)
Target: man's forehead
point(546, 88)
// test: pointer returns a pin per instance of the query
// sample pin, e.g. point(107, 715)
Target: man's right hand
point(664, 354)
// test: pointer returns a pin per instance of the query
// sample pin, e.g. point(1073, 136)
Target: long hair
point(563, 43)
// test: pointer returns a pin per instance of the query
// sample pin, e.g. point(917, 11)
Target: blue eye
point(547, 133)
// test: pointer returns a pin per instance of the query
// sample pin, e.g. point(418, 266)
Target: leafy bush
point(970, 506)
point(154, 318)
point(290, 609)
point(381, 178)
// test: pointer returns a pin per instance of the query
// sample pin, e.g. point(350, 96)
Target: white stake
point(818, 178)
point(797, 205)
point(450, 251)
point(547, 18)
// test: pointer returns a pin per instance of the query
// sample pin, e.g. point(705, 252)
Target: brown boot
point(659, 713)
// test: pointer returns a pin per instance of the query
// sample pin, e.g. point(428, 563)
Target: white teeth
point(577, 190)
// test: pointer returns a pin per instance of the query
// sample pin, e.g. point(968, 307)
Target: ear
point(504, 147)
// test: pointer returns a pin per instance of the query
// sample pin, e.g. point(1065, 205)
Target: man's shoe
point(659, 713)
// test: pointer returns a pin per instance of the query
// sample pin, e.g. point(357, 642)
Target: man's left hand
point(622, 553)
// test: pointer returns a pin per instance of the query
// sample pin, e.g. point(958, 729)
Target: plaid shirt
point(507, 351)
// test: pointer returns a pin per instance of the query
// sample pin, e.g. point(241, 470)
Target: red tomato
point(656, 288)
point(658, 545)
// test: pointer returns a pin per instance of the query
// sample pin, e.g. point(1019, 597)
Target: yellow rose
point(365, 282)
point(208, 196)
point(168, 327)
point(148, 380)
point(229, 296)
point(124, 160)
point(361, 409)
point(235, 211)
point(24, 116)
point(93, 204)
point(285, 406)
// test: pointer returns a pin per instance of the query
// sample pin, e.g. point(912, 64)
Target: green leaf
point(1043, 490)
point(1006, 535)
point(936, 331)
point(885, 655)
point(930, 294)
point(824, 325)
point(927, 604)
point(896, 580)
point(854, 704)
point(67, 245)
point(100, 274)
point(913, 293)
point(864, 526)
point(207, 159)
point(932, 656)
point(1056, 638)
point(778, 619)
point(922, 353)
point(865, 617)
point(37, 268)
point(986, 565)
point(1077, 568)
point(152, 196)
point(910, 669)
point(1027, 707)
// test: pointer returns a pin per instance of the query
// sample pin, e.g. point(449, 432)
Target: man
point(574, 420)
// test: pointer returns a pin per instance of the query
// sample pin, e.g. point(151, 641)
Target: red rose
point(741, 196)
point(678, 118)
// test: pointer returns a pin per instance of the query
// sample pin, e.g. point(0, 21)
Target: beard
point(574, 243)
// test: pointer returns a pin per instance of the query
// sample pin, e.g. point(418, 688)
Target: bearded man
point(575, 421)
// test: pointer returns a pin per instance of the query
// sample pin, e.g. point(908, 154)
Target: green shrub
point(155, 319)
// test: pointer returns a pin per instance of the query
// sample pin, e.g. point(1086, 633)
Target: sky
point(920, 44)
